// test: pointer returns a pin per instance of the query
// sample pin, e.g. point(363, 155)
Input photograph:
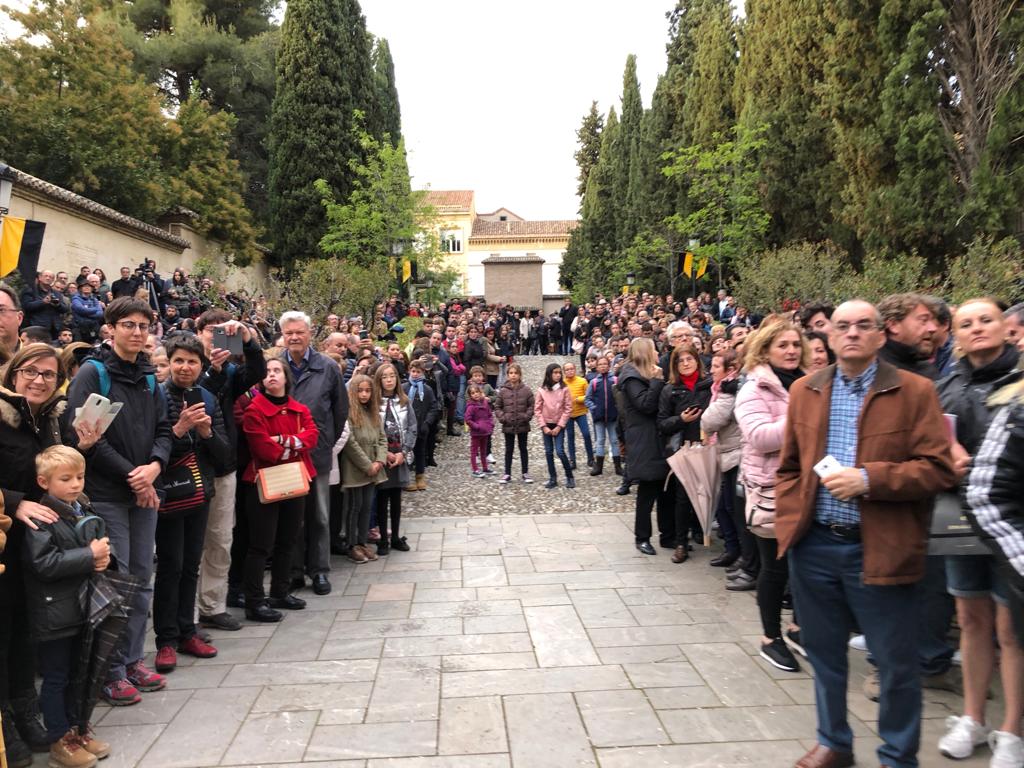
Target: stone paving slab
point(522, 630)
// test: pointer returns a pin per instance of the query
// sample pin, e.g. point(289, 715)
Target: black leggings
point(649, 493)
point(510, 445)
point(771, 586)
point(272, 530)
point(389, 498)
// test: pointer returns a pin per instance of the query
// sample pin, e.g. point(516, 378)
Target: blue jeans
point(609, 429)
point(825, 578)
point(556, 444)
point(132, 532)
point(585, 430)
point(460, 400)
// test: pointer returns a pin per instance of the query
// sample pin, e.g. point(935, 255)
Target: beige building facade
point(81, 232)
point(500, 256)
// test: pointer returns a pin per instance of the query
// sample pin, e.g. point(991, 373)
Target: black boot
point(29, 723)
point(623, 489)
point(18, 753)
point(617, 461)
point(598, 466)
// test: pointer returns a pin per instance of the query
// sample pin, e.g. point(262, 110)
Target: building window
point(451, 241)
point(503, 218)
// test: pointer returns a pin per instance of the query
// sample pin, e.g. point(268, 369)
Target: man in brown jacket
point(856, 536)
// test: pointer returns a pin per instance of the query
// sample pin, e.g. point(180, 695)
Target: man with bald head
point(856, 532)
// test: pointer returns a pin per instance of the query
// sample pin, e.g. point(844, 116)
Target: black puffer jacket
point(140, 433)
point(22, 438)
point(674, 399)
point(639, 414)
point(966, 390)
point(57, 560)
point(211, 453)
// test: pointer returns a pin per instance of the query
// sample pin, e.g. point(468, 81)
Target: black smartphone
point(363, 335)
point(221, 340)
point(192, 396)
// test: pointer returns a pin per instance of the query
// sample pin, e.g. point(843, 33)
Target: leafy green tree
point(324, 78)
point(803, 271)
point(988, 267)
point(76, 114)
point(389, 114)
point(205, 179)
point(588, 137)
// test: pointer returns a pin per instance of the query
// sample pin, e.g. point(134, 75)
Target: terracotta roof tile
point(528, 259)
point(450, 201)
point(73, 200)
point(521, 229)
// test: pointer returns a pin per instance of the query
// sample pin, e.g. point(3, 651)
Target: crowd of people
point(845, 436)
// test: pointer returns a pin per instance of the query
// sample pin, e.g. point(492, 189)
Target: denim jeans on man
point(826, 580)
point(132, 532)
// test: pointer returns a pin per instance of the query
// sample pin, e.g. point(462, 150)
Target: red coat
point(263, 420)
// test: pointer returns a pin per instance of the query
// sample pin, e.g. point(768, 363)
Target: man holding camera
point(43, 305)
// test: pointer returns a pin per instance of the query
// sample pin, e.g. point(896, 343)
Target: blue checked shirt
point(844, 411)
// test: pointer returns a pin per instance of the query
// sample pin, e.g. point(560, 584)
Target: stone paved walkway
point(523, 630)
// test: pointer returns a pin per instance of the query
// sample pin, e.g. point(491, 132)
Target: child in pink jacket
point(552, 408)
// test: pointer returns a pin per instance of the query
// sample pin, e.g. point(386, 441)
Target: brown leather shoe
point(823, 757)
point(679, 556)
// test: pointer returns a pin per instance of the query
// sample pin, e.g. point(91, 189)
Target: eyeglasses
point(4, 310)
point(34, 373)
point(131, 326)
point(861, 325)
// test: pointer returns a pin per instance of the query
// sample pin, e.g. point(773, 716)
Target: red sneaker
point(121, 693)
point(145, 679)
point(195, 646)
point(166, 659)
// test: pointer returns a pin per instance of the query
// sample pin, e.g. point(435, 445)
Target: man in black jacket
point(123, 474)
point(567, 314)
point(44, 306)
point(227, 380)
point(125, 286)
point(474, 353)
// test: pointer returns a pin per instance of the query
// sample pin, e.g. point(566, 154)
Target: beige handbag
point(282, 482)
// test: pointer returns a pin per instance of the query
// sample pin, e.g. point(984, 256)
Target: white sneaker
point(962, 736)
point(858, 643)
point(490, 458)
point(1007, 750)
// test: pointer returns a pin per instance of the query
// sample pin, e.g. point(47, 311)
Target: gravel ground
point(452, 489)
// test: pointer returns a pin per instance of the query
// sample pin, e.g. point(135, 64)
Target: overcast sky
point(492, 92)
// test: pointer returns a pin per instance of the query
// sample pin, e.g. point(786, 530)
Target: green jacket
point(366, 444)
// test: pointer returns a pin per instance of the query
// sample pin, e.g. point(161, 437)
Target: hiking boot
point(18, 753)
point(145, 679)
point(194, 646)
point(166, 659)
point(92, 745)
point(223, 621)
point(121, 693)
point(421, 482)
point(70, 752)
point(28, 721)
point(962, 735)
point(777, 654)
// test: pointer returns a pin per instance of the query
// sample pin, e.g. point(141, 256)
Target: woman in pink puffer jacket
point(774, 358)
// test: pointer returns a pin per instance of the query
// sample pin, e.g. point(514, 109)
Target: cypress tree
point(709, 83)
point(626, 157)
point(588, 136)
point(324, 76)
point(389, 114)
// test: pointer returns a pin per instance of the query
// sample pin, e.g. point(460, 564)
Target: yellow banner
point(12, 231)
point(688, 264)
point(702, 266)
point(406, 270)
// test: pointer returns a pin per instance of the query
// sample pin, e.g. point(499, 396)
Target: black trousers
point(389, 500)
point(771, 586)
point(337, 521)
point(272, 529)
point(239, 537)
point(648, 494)
point(685, 519)
point(510, 446)
point(432, 431)
point(179, 550)
point(419, 453)
point(17, 657)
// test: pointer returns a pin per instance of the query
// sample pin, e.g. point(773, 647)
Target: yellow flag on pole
point(406, 270)
point(688, 264)
point(702, 266)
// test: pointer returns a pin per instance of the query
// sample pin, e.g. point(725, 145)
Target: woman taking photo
point(680, 406)
point(400, 427)
point(30, 408)
point(774, 357)
point(279, 430)
point(641, 382)
point(199, 437)
point(975, 581)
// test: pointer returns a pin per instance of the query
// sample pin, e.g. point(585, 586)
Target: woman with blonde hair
point(775, 356)
point(640, 384)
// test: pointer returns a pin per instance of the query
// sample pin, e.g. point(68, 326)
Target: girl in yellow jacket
point(577, 386)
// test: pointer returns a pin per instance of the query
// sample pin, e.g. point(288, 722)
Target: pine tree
point(778, 80)
point(588, 136)
point(324, 78)
point(389, 114)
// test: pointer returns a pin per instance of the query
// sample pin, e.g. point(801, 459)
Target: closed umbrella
point(696, 467)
